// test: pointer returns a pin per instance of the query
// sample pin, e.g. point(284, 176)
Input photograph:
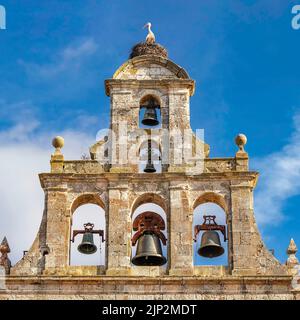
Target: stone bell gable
point(119, 189)
point(150, 67)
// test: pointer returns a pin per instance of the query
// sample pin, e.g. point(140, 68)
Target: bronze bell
point(149, 166)
point(150, 117)
point(210, 245)
point(87, 245)
point(149, 252)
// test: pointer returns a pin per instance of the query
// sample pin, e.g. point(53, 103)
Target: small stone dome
point(143, 48)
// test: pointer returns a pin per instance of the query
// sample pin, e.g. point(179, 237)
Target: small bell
point(149, 166)
point(149, 251)
point(150, 116)
point(210, 245)
point(87, 245)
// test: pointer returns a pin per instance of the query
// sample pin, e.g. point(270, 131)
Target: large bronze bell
point(210, 245)
point(87, 245)
point(149, 252)
point(150, 117)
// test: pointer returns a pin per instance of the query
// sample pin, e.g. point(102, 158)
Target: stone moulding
point(49, 179)
point(110, 84)
point(266, 287)
point(216, 165)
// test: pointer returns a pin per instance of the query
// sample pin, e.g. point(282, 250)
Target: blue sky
point(244, 56)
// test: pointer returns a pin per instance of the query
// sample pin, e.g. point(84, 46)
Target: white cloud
point(69, 60)
point(25, 151)
point(279, 180)
point(258, 10)
point(25, 140)
point(85, 48)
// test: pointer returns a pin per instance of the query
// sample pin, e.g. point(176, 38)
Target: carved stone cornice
point(110, 84)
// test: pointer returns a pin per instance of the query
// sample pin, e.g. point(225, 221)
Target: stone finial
point(58, 143)
point(291, 252)
point(4, 260)
point(4, 246)
point(240, 141)
point(57, 158)
point(241, 156)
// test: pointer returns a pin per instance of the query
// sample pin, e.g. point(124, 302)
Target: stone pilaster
point(242, 161)
point(180, 235)
point(243, 236)
point(57, 228)
point(249, 254)
point(119, 231)
point(179, 109)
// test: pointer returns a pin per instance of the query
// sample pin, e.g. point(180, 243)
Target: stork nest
point(143, 48)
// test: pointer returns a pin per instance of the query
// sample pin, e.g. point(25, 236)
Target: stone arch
point(211, 197)
point(87, 198)
point(147, 96)
point(158, 94)
point(150, 100)
point(212, 203)
point(160, 207)
point(161, 97)
point(149, 198)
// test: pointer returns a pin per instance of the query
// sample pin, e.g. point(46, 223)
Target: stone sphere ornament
point(240, 141)
point(58, 142)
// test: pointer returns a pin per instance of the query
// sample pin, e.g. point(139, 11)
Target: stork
point(150, 39)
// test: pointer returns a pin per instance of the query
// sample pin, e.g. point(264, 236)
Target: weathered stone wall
point(167, 288)
point(140, 77)
point(150, 67)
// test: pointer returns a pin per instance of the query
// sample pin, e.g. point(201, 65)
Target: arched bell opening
point(150, 157)
point(210, 234)
point(149, 238)
point(150, 113)
point(87, 234)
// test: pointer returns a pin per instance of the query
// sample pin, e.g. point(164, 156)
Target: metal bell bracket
point(148, 222)
point(88, 228)
point(209, 224)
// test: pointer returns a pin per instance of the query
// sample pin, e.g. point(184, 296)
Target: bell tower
point(149, 202)
point(153, 84)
